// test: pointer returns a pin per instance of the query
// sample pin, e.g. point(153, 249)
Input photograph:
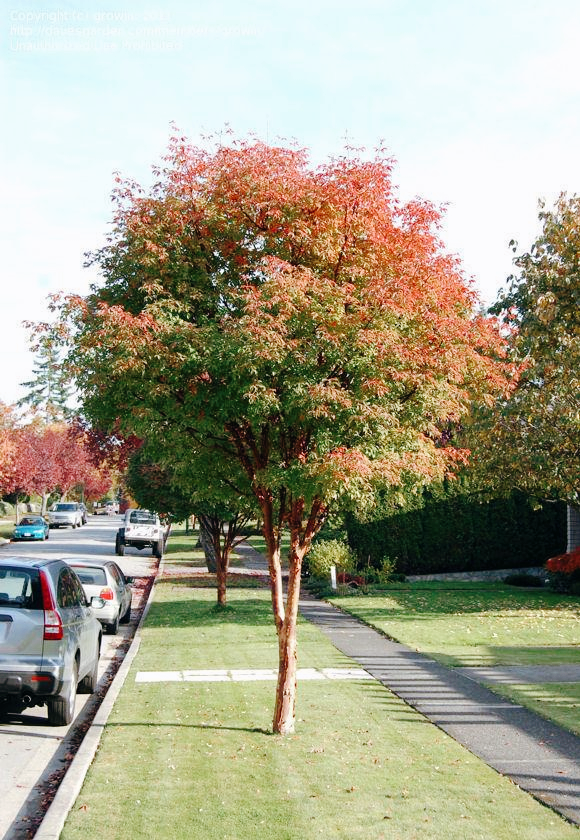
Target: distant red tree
point(53, 458)
point(8, 445)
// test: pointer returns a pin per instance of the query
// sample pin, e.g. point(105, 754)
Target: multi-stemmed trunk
point(285, 707)
point(286, 610)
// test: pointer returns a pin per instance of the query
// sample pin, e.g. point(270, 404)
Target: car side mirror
point(129, 579)
point(97, 603)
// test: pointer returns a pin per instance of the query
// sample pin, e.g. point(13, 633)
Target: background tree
point(8, 446)
point(52, 459)
point(298, 325)
point(49, 392)
point(532, 441)
point(178, 488)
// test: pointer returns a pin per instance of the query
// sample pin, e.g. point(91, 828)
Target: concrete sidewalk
point(537, 755)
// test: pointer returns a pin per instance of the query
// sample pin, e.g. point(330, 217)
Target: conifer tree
point(48, 392)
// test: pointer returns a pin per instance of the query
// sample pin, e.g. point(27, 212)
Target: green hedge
point(453, 531)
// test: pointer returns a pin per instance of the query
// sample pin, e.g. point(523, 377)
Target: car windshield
point(91, 576)
point(31, 520)
point(20, 588)
point(65, 506)
point(142, 517)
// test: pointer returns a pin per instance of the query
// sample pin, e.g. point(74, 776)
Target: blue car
point(31, 528)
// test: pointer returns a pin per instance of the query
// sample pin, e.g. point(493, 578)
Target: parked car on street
point(63, 514)
point(50, 638)
point(105, 579)
point(31, 527)
point(112, 508)
point(141, 529)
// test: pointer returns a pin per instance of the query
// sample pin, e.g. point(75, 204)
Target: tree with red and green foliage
point(299, 327)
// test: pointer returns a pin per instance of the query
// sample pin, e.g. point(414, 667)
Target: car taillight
point(52, 620)
point(106, 594)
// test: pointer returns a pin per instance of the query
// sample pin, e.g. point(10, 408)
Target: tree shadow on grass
point(501, 655)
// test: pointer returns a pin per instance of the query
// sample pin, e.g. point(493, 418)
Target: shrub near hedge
point(450, 530)
point(564, 572)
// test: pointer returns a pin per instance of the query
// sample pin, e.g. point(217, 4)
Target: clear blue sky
point(479, 102)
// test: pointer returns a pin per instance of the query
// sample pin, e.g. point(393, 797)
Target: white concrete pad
point(252, 675)
point(249, 675)
point(206, 676)
point(159, 676)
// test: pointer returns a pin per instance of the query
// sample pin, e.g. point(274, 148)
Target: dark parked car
point(50, 638)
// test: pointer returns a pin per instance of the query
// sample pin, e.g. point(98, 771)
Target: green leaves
point(534, 439)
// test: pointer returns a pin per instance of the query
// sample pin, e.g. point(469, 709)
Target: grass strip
point(197, 760)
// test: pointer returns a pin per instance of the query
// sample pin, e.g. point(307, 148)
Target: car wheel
point(47, 535)
point(158, 550)
point(119, 546)
point(61, 709)
point(88, 684)
point(126, 617)
point(113, 628)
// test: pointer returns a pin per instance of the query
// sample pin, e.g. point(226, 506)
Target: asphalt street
point(31, 751)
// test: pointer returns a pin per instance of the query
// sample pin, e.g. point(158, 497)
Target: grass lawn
point(6, 529)
point(197, 760)
point(463, 626)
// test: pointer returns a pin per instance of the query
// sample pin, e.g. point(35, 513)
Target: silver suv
point(141, 529)
point(65, 513)
point(50, 639)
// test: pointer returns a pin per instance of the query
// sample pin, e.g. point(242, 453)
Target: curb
point(70, 787)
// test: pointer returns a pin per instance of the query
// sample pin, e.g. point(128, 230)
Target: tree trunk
point(272, 539)
point(222, 578)
point(207, 543)
point(285, 708)
point(300, 536)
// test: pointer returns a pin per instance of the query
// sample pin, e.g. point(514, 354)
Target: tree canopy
point(532, 440)
point(304, 331)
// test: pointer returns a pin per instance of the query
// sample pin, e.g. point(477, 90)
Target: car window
point(117, 574)
point(20, 588)
point(31, 520)
point(69, 592)
point(66, 506)
point(92, 576)
point(142, 517)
